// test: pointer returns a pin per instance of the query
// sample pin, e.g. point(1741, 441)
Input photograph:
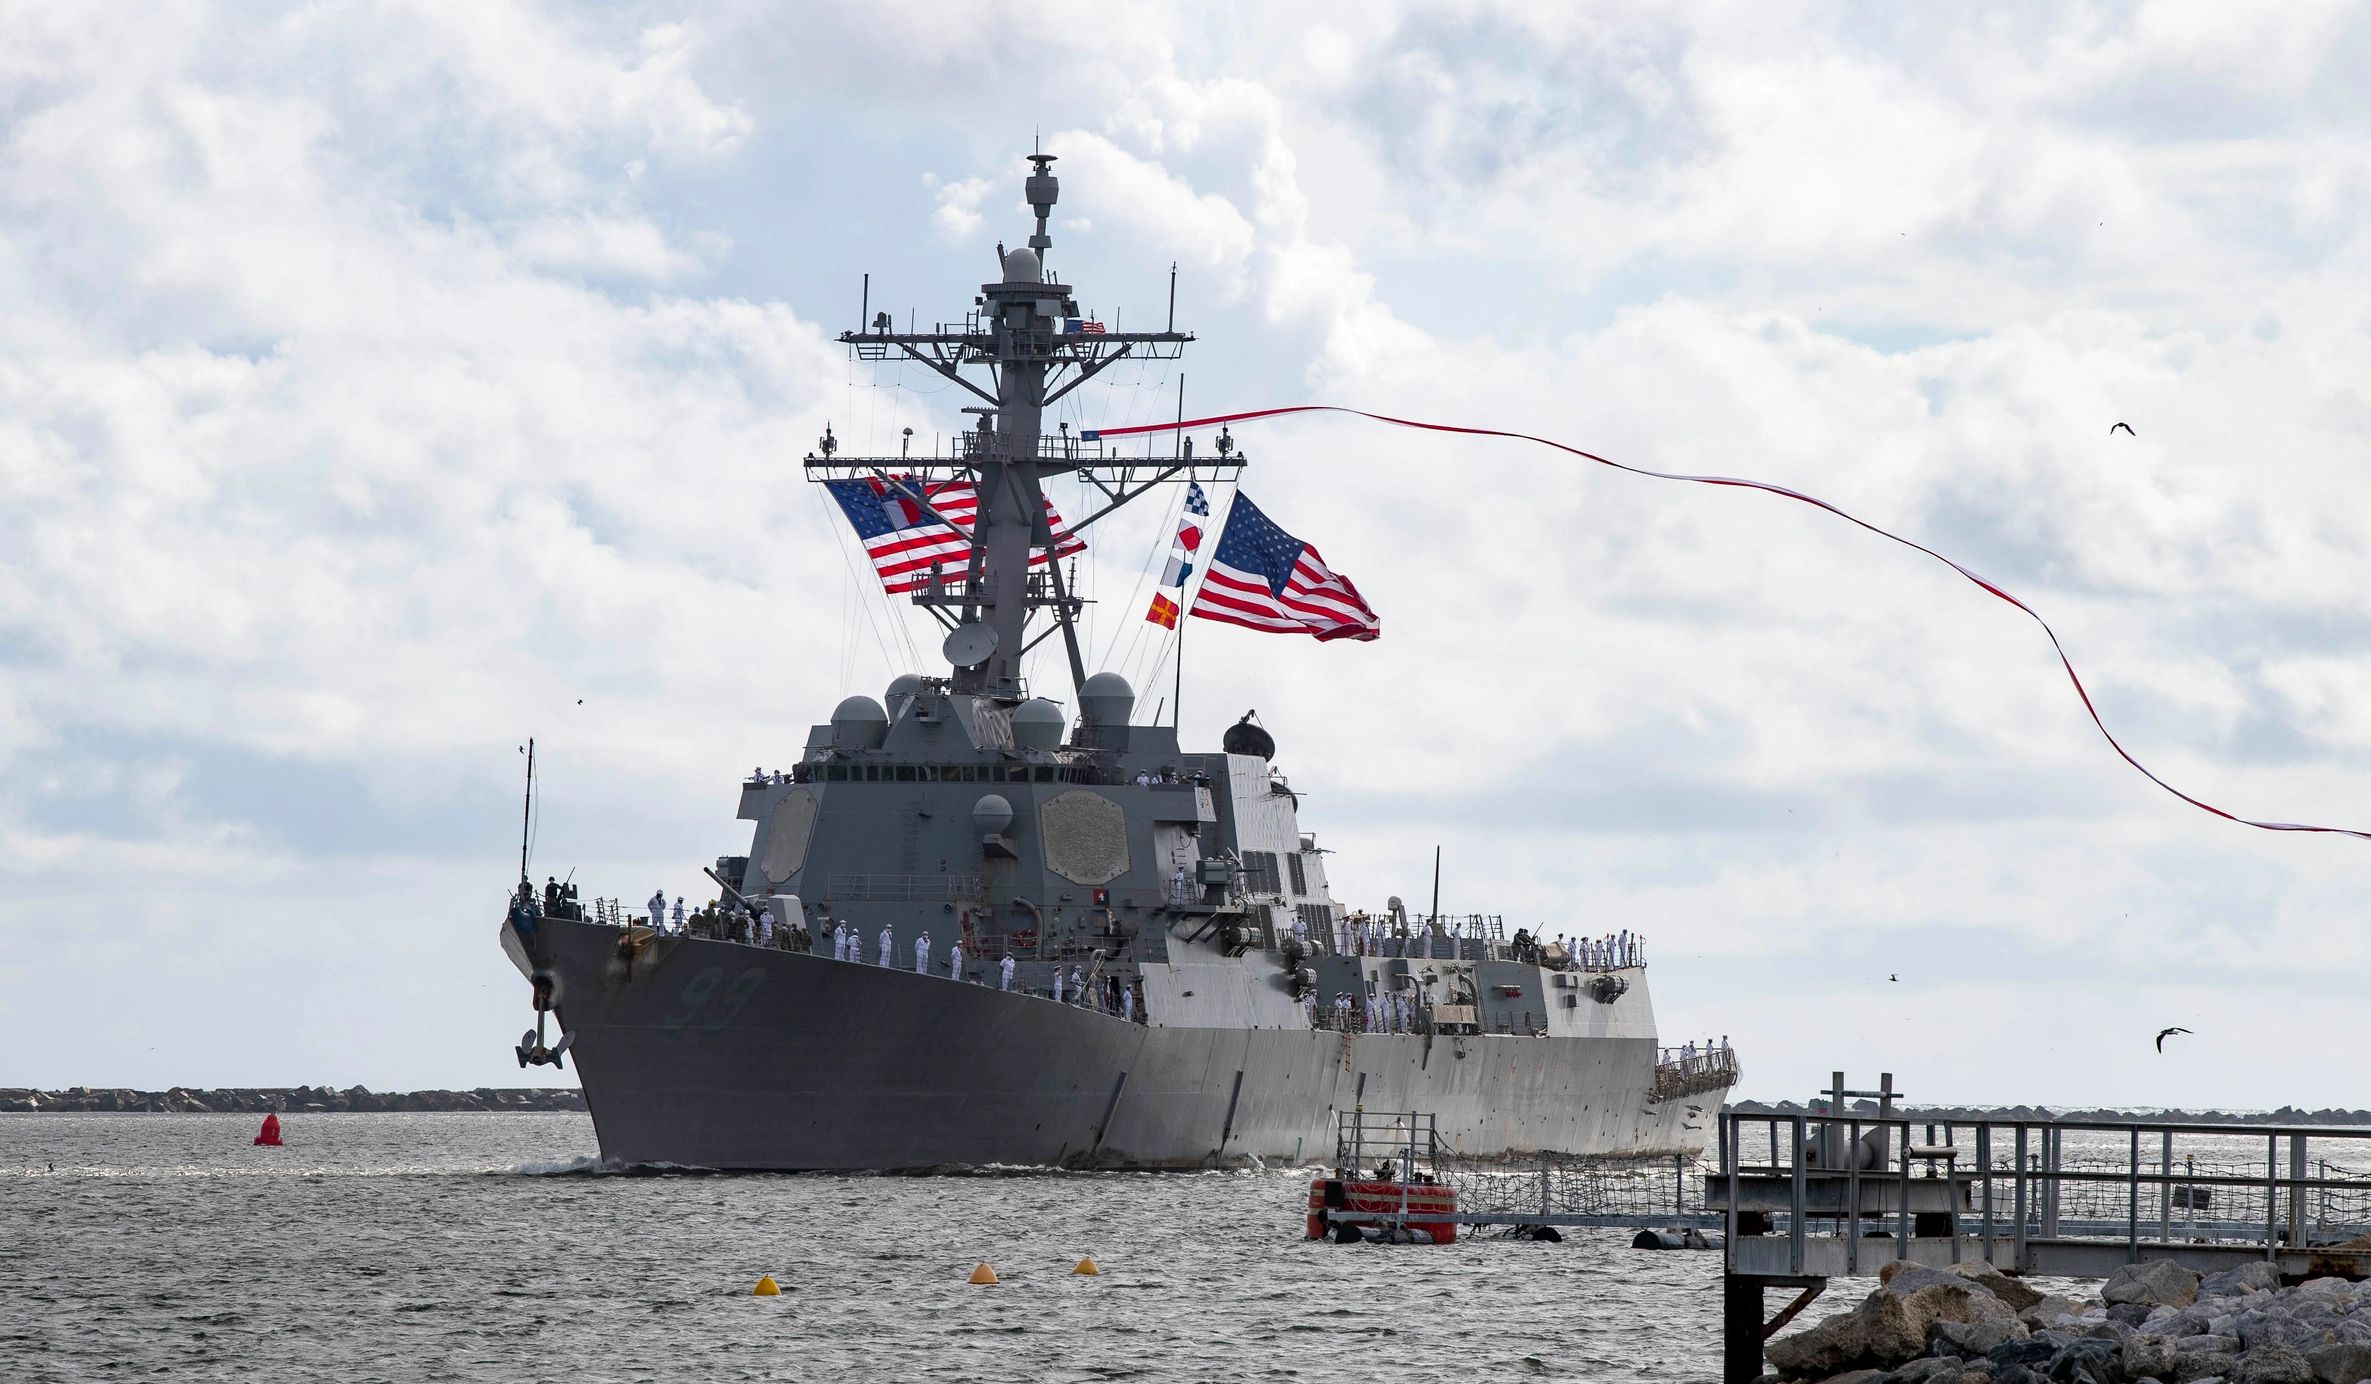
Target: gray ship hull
point(713, 1054)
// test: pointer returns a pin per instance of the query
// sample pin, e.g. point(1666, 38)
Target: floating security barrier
point(766, 1287)
point(1690, 1238)
point(983, 1274)
point(1086, 1268)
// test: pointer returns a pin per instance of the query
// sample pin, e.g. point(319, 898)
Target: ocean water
point(406, 1247)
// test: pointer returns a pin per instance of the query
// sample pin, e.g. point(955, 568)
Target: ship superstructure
point(974, 925)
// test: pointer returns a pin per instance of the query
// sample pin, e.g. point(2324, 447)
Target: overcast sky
point(377, 380)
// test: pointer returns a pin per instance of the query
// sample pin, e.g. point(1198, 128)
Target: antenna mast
point(527, 810)
point(1023, 345)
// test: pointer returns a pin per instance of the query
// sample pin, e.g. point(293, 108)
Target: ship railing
point(905, 889)
point(1687, 1072)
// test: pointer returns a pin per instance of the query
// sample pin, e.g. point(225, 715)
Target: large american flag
point(905, 542)
point(1265, 579)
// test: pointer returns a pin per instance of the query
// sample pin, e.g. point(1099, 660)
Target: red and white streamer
point(1746, 484)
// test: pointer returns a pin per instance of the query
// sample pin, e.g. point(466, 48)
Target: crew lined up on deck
point(1355, 934)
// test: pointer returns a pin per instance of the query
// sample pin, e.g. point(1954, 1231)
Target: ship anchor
point(531, 1050)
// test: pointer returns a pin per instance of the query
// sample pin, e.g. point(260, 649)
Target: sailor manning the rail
point(955, 960)
point(658, 911)
point(1057, 982)
point(1078, 986)
point(922, 955)
point(677, 919)
point(1004, 974)
point(765, 927)
point(888, 943)
point(1177, 884)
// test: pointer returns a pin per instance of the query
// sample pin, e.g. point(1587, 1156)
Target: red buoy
point(270, 1135)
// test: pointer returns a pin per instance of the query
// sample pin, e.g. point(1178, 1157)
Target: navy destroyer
point(979, 926)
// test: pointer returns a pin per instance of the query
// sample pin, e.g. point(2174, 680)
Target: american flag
point(1265, 579)
point(1085, 325)
point(905, 542)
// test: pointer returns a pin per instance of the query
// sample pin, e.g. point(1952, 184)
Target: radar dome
point(1106, 699)
point(1245, 738)
point(991, 814)
point(1037, 724)
point(1020, 265)
point(902, 690)
point(858, 723)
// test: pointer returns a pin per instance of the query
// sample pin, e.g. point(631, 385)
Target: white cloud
point(378, 382)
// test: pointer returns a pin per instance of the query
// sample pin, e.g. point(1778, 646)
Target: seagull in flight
point(2127, 427)
point(1894, 977)
point(2168, 1033)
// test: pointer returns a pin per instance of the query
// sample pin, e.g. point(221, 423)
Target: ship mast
point(1013, 352)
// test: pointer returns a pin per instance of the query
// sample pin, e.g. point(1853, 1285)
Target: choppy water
point(475, 1247)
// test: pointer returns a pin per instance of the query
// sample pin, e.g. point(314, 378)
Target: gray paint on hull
point(712, 1054)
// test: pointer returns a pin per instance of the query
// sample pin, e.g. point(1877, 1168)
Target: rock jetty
point(256, 1100)
point(2156, 1321)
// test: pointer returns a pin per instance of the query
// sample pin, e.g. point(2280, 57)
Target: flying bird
point(2168, 1033)
point(1893, 977)
point(2127, 427)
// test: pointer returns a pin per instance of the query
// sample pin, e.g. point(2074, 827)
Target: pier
point(1806, 1198)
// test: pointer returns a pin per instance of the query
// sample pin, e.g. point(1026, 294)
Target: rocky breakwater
point(2157, 1321)
point(255, 1100)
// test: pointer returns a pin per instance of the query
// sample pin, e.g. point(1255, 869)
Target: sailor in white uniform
point(1004, 974)
point(1177, 884)
point(765, 927)
point(922, 955)
point(677, 918)
point(658, 911)
point(1078, 986)
point(1057, 985)
point(955, 959)
point(1128, 1003)
point(888, 944)
point(1309, 1008)
point(839, 941)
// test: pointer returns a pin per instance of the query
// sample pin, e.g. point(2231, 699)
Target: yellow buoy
point(766, 1287)
point(983, 1274)
point(1086, 1268)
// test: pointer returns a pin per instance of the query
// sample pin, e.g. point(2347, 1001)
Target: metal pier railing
point(1808, 1197)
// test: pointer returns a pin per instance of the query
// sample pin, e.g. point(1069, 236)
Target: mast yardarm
point(1023, 345)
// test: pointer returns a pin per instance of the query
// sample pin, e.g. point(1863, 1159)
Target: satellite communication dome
point(1037, 724)
point(902, 690)
point(1106, 699)
point(858, 723)
point(991, 814)
point(1020, 265)
point(1245, 738)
